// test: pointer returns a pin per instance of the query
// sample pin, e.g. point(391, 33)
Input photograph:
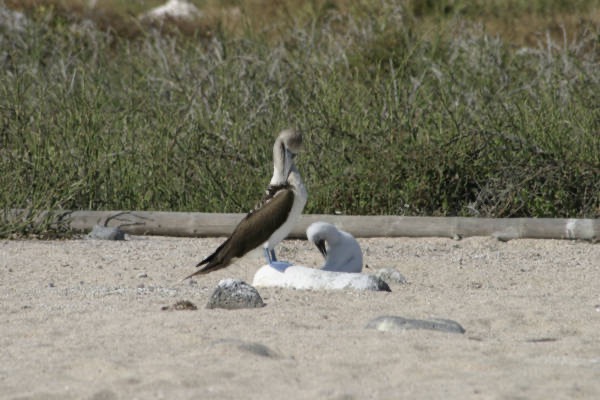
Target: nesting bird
point(341, 251)
point(274, 216)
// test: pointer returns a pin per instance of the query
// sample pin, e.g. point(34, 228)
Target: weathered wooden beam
point(195, 224)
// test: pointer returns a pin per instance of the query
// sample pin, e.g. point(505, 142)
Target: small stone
point(390, 275)
point(51, 284)
point(106, 233)
point(475, 285)
point(142, 275)
point(394, 323)
point(232, 294)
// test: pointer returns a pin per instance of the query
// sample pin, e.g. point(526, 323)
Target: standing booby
point(274, 217)
point(342, 254)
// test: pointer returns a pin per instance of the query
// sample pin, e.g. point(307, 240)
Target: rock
point(233, 294)
point(174, 9)
point(393, 323)
point(390, 275)
point(180, 305)
point(142, 275)
point(106, 233)
point(300, 277)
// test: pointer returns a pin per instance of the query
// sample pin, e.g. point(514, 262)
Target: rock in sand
point(233, 294)
point(394, 323)
point(390, 275)
point(100, 232)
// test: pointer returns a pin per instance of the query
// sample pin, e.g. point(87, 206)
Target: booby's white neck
point(300, 196)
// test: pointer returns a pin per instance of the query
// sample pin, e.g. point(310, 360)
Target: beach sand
point(83, 319)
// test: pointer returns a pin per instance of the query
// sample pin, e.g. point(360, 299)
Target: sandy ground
point(82, 320)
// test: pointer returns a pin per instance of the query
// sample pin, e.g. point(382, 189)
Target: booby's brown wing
point(252, 231)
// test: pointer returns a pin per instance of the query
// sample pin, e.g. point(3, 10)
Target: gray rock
point(233, 294)
point(393, 323)
point(174, 10)
point(390, 275)
point(106, 233)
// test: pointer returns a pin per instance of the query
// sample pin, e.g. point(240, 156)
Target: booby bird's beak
point(321, 246)
point(289, 161)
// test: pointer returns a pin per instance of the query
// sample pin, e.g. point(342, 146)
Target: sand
point(83, 319)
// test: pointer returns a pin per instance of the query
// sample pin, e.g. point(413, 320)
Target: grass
point(408, 108)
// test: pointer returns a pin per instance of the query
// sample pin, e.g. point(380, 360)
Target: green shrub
point(396, 120)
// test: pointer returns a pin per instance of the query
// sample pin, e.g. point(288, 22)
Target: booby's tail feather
point(212, 263)
point(210, 267)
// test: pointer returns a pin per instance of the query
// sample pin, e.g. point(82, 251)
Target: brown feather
point(253, 230)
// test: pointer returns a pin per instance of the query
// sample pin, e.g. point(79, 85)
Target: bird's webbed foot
point(271, 259)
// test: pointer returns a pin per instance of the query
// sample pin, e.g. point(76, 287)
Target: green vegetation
point(408, 108)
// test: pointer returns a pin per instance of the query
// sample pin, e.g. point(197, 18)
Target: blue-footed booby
point(273, 217)
point(342, 253)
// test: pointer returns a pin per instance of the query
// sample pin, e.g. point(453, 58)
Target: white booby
point(274, 217)
point(342, 254)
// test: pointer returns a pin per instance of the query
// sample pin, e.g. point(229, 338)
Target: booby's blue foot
point(280, 265)
point(272, 260)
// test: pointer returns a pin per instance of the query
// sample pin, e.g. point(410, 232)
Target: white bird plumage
point(342, 253)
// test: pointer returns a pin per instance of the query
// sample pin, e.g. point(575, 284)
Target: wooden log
point(197, 224)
